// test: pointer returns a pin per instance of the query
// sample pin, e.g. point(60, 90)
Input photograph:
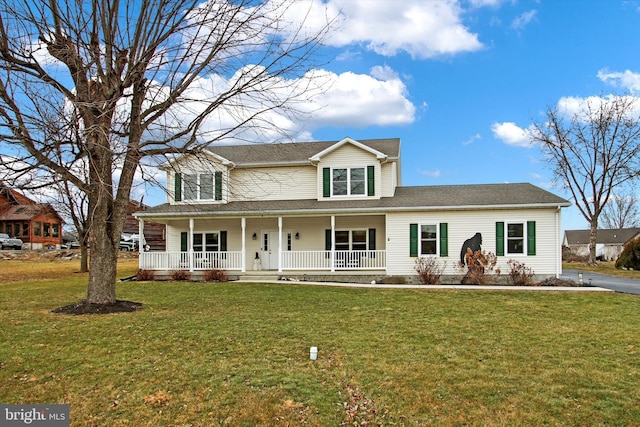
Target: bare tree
point(142, 79)
point(592, 151)
point(621, 211)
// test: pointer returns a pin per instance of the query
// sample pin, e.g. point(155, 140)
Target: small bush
point(520, 274)
point(215, 276)
point(180, 275)
point(145, 275)
point(478, 264)
point(629, 259)
point(429, 270)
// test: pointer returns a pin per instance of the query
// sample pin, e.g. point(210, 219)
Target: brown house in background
point(154, 233)
point(38, 225)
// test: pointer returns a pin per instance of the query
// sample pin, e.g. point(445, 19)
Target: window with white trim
point(348, 181)
point(351, 240)
point(198, 186)
point(516, 238)
point(428, 239)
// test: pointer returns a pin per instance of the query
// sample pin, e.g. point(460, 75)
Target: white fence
point(191, 261)
point(342, 260)
point(291, 260)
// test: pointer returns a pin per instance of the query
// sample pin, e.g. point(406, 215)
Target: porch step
point(258, 277)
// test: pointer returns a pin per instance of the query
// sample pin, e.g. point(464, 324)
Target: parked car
point(9, 242)
point(128, 244)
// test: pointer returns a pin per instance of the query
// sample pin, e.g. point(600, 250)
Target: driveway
point(618, 284)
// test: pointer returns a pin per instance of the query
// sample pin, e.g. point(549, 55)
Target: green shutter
point(326, 182)
point(372, 239)
point(371, 182)
point(413, 240)
point(327, 239)
point(218, 185)
point(531, 237)
point(177, 187)
point(184, 242)
point(223, 241)
point(444, 239)
point(500, 238)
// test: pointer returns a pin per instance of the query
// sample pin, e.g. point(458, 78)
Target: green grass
point(206, 354)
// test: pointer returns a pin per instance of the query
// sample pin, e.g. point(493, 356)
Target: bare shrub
point(520, 274)
point(145, 275)
point(478, 264)
point(180, 275)
point(429, 270)
point(215, 275)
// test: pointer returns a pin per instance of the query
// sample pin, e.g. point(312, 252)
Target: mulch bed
point(83, 307)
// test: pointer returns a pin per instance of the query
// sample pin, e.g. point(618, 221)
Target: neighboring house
point(609, 242)
point(38, 225)
point(338, 209)
point(154, 233)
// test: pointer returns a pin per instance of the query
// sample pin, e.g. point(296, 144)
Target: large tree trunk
point(84, 259)
point(593, 241)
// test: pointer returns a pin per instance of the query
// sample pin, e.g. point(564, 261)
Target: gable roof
point(617, 236)
point(427, 198)
point(298, 152)
point(28, 212)
point(379, 155)
point(15, 197)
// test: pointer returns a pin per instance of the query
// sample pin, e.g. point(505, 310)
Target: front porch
point(332, 261)
point(278, 244)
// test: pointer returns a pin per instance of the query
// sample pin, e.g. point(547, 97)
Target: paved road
point(618, 284)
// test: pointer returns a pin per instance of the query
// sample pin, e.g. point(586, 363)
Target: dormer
point(349, 170)
point(202, 178)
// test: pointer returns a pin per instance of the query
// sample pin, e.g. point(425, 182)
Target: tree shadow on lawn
point(83, 307)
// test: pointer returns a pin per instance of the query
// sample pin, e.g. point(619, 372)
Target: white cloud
point(625, 79)
point(433, 174)
point(577, 106)
point(524, 19)
point(473, 139)
point(423, 29)
point(511, 134)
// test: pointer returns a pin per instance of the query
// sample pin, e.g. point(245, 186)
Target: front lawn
point(213, 354)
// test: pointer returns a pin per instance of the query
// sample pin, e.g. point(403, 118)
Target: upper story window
point(198, 186)
point(355, 181)
point(348, 181)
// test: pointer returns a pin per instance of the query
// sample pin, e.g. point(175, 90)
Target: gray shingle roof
point(616, 236)
point(446, 197)
point(295, 152)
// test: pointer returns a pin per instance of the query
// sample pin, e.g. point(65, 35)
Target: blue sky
point(471, 75)
point(459, 81)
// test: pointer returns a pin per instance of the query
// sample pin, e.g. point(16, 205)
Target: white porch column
point(190, 240)
point(243, 261)
point(333, 243)
point(279, 244)
point(141, 242)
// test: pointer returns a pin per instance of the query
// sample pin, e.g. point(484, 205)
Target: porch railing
point(231, 260)
point(291, 260)
point(343, 260)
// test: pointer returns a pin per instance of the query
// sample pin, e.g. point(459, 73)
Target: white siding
point(389, 180)
point(462, 225)
point(274, 183)
point(349, 156)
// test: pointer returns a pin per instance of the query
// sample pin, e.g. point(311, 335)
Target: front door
point(270, 250)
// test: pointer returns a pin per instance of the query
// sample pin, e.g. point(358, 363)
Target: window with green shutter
point(177, 187)
point(444, 239)
point(500, 238)
point(531, 237)
point(413, 240)
point(218, 186)
point(371, 182)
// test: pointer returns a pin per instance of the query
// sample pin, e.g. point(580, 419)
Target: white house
point(338, 209)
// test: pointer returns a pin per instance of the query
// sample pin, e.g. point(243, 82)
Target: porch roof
point(423, 198)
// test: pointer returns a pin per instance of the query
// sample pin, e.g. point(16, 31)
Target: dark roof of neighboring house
point(449, 197)
point(616, 236)
point(27, 212)
point(295, 152)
